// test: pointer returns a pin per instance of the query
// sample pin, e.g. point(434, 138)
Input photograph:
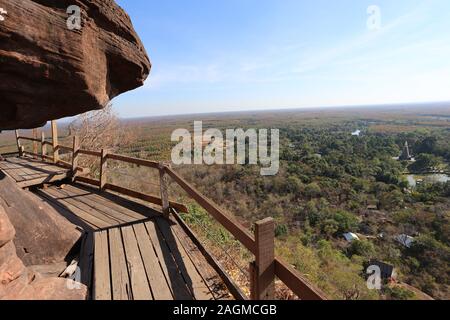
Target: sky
point(235, 55)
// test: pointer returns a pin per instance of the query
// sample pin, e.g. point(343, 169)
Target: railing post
point(75, 154)
point(163, 183)
point(35, 144)
point(18, 143)
point(55, 142)
point(262, 270)
point(43, 146)
point(103, 169)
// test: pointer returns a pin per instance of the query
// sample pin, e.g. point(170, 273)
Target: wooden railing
point(266, 266)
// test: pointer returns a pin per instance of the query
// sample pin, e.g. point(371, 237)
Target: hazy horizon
point(394, 106)
point(264, 55)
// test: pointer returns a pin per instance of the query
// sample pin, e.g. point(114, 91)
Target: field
point(329, 183)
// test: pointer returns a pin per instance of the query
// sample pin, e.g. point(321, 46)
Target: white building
point(350, 236)
point(405, 240)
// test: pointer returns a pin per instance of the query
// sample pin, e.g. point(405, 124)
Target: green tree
point(362, 248)
point(312, 190)
point(346, 221)
point(425, 162)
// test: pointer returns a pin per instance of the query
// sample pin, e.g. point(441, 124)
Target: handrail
point(90, 153)
point(137, 161)
point(237, 230)
point(287, 274)
point(296, 282)
point(87, 180)
point(29, 139)
point(61, 147)
point(150, 198)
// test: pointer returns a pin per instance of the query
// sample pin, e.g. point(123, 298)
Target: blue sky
point(229, 55)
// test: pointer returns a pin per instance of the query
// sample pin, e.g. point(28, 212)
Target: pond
point(413, 179)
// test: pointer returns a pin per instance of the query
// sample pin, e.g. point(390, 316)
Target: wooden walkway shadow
point(28, 172)
point(129, 252)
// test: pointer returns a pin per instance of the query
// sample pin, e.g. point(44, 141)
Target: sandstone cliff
point(48, 71)
point(20, 283)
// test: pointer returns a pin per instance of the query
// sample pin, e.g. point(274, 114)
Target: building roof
point(405, 240)
point(350, 236)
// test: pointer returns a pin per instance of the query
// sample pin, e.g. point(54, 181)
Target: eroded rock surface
point(42, 235)
point(48, 71)
point(19, 283)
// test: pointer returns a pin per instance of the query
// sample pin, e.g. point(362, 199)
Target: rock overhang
point(49, 71)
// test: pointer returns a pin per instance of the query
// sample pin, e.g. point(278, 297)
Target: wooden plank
point(95, 222)
point(164, 189)
point(11, 171)
point(75, 155)
point(28, 172)
point(137, 161)
point(55, 141)
point(19, 169)
point(237, 230)
point(39, 181)
point(35, 142)
point(87, 259)
point(66, 213)
point(29, 139)
point(76, 201)
point(150, 198)
point(91, 201)
point(45, 157)
point(120, 280)
point(19, 149)
point(88, 181)
point(206, 271)
point(90, 153)
point(103, 169)
point(102, 276)
point(155, 275)
point(99, 202)
point(264, 285)
point(190, 273)
point(31, 170)
point(43, 146)
point(138, 277)
point(174, 278)
point(296, 282)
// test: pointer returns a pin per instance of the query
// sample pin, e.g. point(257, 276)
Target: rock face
point(19, 283)
point(48, 71)
point(43, 236)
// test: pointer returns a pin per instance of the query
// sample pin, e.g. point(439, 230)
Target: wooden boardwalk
point(28, 172)
point(131, 253)
point(135, 250)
